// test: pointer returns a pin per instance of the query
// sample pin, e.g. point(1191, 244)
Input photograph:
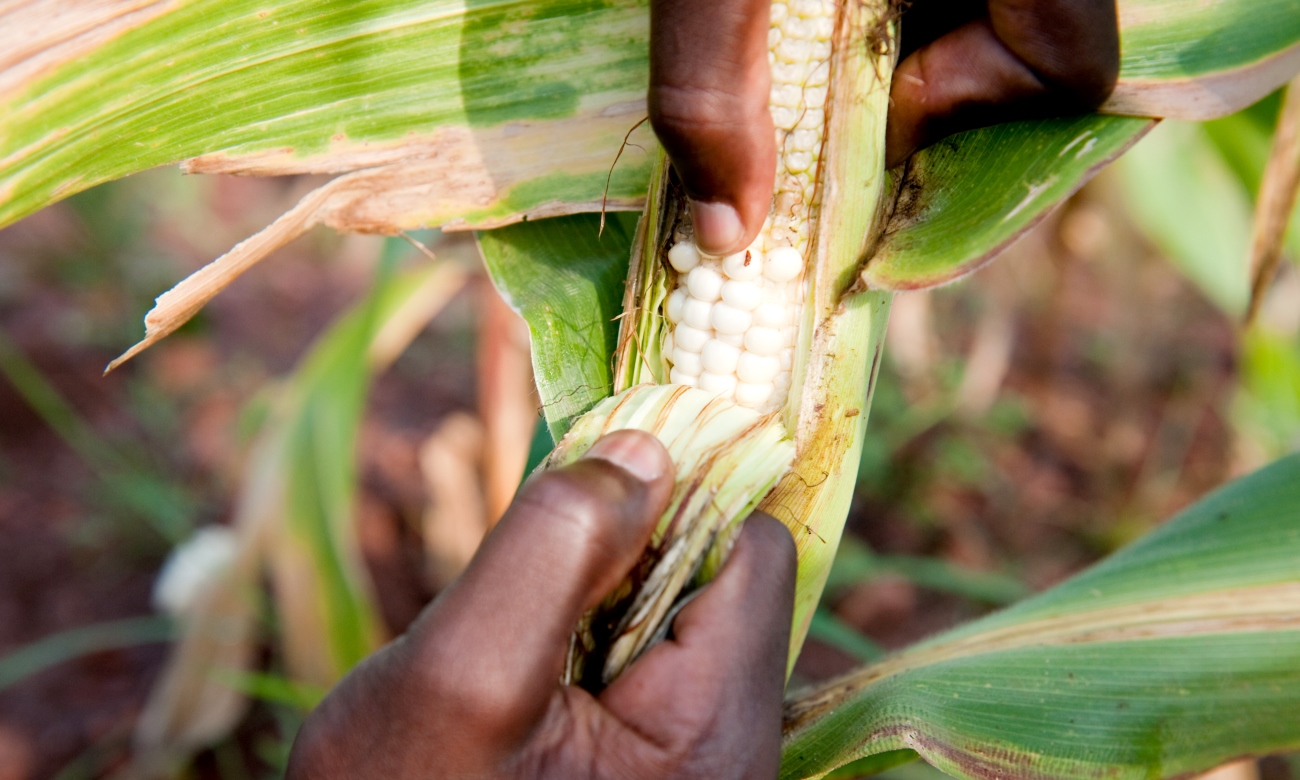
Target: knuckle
point(684, 114)
point(481, 699)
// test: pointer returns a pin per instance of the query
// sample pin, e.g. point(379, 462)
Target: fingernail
point(717, 227)
point(636, 452)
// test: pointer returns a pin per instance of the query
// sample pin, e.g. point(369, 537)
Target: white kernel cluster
point(799, 53)
point(733, 322)
point(734, 319)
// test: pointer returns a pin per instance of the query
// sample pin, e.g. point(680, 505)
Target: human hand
point(471, 690)
point(965, 64)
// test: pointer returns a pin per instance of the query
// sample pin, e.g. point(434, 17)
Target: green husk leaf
point(1184, 59)
point(961, 201)
point(1171, 657)
point(565, 278)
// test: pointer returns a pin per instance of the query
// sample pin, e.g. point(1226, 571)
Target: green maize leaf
point(1171, 657)
point(1188, 201)
point(327, 613)
point(53, 650)
point(1267, 404)
point(565, 278)
point(961, 201)
point(1199, 60)
point(825, 627)
point(495, 108)
point(873, 765)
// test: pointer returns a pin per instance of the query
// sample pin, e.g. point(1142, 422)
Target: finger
point(1072, 45)
point(708, 101)
point(494, 643)
point(1028, 58)
point(719, 680)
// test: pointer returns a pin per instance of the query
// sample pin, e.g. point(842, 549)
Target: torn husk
point(793, 451)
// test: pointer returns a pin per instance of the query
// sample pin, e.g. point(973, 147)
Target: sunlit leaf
point(1170, 657)
point(458, 110)
point(1187, 59)
point(481, 110)
point(961, 201)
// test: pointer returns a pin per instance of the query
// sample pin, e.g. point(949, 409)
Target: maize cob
point(755, 369)
point(733, 319)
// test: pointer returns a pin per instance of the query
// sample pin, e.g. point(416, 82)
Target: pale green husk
point(726, 458)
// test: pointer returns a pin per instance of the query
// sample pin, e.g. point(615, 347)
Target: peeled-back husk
point(798, 464)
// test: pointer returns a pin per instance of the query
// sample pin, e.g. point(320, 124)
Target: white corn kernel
point(783, 264)
point(704, 283)
point(753, 395)
point(787, 73)
point(683, 257)
point(687, 362)
point(785, 118)
point(736, 340)
point(771, 315)
point(743, 266)
point(757, 369)
point(679, 377)
point(798, 162)
point(823, 28)
point(728, 319)
point(690, 339)
point(719, 357)
point(673, 309)
point(745, 296)
point(820, 75)
point(795, 27)
point(805, 141)
point(812, 119)
point(722, 384)
point(764, 341)
point(696, 313)
point(787, 95)
point(792, 50)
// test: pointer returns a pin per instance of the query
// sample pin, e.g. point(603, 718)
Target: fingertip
point(766, 545)
point(757, 580)
point(639, 453)
point(718, 228)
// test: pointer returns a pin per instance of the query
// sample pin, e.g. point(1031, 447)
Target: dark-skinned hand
point(965, 64)
point(471, 690)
